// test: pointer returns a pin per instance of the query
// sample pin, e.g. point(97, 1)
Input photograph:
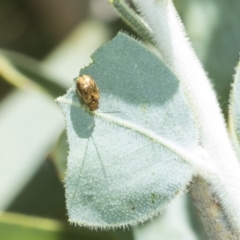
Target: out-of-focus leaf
point(29, 127)
point(174, 224)
point(60, 154)
point(75, 51)
point(125, 167)
point(16, 226)
point(28, 74)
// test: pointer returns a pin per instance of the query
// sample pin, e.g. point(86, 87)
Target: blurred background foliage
point(43, 45)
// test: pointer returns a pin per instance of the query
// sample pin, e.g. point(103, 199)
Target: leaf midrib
point(178, 150)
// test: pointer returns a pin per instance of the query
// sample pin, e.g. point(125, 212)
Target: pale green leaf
point(126, 165)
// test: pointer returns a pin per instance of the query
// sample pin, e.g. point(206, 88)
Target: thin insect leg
point(91, 126)
point(133, 151)
point(76, 187)
point(109, 112)
point(105, 175)
point(221, 104)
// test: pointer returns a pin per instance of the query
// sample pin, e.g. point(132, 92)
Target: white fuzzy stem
point(170, 39)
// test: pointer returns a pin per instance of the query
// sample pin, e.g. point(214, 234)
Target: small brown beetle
point(88, 91)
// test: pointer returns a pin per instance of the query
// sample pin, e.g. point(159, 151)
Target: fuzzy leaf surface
point(125, 166)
